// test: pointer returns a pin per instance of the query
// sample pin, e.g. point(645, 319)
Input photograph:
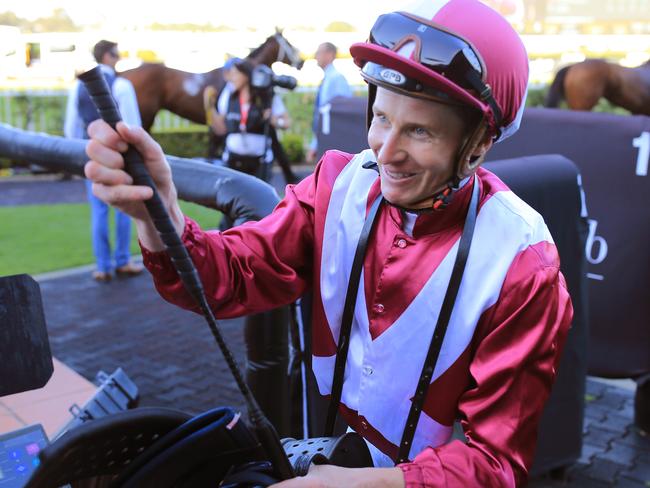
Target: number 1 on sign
point(643, 158)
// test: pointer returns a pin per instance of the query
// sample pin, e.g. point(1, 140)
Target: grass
point(40, 238)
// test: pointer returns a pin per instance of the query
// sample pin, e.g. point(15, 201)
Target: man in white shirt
point(79, 113)
point(333, 85)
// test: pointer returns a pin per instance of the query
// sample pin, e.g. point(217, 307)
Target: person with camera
point(210, 97)
point(447, 80)
point(246, 115)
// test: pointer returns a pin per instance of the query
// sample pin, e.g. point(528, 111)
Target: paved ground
point(41, 190)
point(170, 355)
point(168, 352)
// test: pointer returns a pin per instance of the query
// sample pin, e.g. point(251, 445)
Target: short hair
point(330, 47)
point(103, 47)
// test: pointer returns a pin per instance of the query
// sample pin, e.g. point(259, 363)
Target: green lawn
point(38, 238)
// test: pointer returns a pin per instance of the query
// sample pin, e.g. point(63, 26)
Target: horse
point(583, 84)
point(159, 87)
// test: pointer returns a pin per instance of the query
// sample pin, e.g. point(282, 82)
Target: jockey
point(447, 79)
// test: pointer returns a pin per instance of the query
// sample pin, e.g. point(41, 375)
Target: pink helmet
point(459, 50)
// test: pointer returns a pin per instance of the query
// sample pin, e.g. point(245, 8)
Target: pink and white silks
point(498, 359)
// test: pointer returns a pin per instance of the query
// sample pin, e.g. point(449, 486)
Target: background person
point(333, 85)
point(80, 112)
point(242, 115)
point(432, 124)
point(210, 97)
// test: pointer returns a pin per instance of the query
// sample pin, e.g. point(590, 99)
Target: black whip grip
point(100, 94)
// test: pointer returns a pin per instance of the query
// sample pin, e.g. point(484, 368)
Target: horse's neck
point(267, 53)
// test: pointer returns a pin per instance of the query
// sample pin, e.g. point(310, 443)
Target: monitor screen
point(19, 455)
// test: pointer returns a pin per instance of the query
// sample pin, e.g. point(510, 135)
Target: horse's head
point(287, 53)
point(277, 48)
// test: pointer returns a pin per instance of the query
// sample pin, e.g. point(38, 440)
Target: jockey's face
point(416, 143)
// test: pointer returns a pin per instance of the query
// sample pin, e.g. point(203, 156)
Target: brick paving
point(168, 352)
point(614, 451)
point(170, 355)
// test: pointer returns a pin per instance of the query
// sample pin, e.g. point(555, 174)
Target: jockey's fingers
point(104, 155)
point(99, 173)
point(121, 194)
point(102, 132)
point(149, 149)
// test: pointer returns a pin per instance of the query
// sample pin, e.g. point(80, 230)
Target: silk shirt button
point(379, 308)
point(367, 370)
point(401, 243)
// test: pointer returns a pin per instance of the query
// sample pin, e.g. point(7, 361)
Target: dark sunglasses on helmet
point(439, 50)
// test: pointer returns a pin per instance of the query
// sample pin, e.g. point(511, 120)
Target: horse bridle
point(284, 48)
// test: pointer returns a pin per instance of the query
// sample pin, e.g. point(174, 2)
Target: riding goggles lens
point(440, 51)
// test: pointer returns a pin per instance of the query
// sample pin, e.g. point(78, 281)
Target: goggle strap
point(485, 93)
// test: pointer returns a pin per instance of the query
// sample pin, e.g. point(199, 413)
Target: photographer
point(247, 117)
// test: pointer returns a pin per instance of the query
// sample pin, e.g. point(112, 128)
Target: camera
point(263, 78)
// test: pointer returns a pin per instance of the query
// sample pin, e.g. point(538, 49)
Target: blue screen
point(19, 455)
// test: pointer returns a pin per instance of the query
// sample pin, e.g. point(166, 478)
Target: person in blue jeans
point(80, 111)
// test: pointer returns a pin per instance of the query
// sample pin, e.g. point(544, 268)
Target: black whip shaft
point(100, 94)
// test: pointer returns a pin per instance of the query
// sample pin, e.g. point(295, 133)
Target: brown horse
point(159, 87)
point(583, 84)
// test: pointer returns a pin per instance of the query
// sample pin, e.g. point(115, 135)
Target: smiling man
point(461, 311)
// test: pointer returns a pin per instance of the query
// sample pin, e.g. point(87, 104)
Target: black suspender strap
point(441, 328)
point(348, 315)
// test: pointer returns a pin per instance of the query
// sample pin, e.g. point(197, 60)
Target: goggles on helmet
point(437, 49)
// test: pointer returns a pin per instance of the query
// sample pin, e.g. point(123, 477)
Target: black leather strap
point(346, 319)
point(441, 328)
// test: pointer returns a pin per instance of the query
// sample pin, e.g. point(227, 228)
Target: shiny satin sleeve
point(516, 352)
point(251, 268)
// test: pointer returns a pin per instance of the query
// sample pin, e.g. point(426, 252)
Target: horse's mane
point(258, 49)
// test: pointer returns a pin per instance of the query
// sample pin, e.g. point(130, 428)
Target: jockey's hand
point(113, 185)
point(327, 476)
